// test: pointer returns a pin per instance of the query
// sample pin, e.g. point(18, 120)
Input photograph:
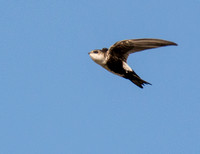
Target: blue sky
point(56, 100)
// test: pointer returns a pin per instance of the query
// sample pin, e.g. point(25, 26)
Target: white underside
point(101, 60)
point(126, 67)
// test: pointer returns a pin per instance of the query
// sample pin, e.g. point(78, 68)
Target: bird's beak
point(88, 53)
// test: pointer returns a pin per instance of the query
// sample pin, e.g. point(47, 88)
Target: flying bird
point(115, 58)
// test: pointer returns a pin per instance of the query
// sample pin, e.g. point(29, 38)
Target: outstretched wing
point(123, 48)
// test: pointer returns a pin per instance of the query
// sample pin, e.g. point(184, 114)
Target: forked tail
point(139, 82)
point(133, 77)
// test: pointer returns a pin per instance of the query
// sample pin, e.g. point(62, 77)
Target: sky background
point(56, 100)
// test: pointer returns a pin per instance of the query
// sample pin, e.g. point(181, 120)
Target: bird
point(114, 59)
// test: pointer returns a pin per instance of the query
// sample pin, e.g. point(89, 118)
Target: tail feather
point(133, 77)
point(139, 82)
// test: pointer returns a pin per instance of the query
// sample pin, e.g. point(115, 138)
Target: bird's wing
point(123, 48)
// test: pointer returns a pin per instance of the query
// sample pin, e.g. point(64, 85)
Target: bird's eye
point(95, 51)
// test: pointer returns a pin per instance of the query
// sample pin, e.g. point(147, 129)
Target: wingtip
point(170, 43)
point(175, 44)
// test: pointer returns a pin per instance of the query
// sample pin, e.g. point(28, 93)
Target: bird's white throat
point(98, 58)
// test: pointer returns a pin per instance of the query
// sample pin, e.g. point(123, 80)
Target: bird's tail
point(133, 77)
point(139, 82)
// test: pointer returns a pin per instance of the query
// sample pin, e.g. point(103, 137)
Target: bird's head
point(98, 56)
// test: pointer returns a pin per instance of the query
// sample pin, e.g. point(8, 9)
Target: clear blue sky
point(56, 100)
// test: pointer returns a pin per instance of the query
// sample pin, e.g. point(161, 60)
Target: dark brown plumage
point(115, 58)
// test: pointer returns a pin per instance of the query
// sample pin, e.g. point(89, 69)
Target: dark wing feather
point(123, 48)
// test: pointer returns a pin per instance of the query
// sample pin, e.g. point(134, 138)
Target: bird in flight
point(115, 58)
